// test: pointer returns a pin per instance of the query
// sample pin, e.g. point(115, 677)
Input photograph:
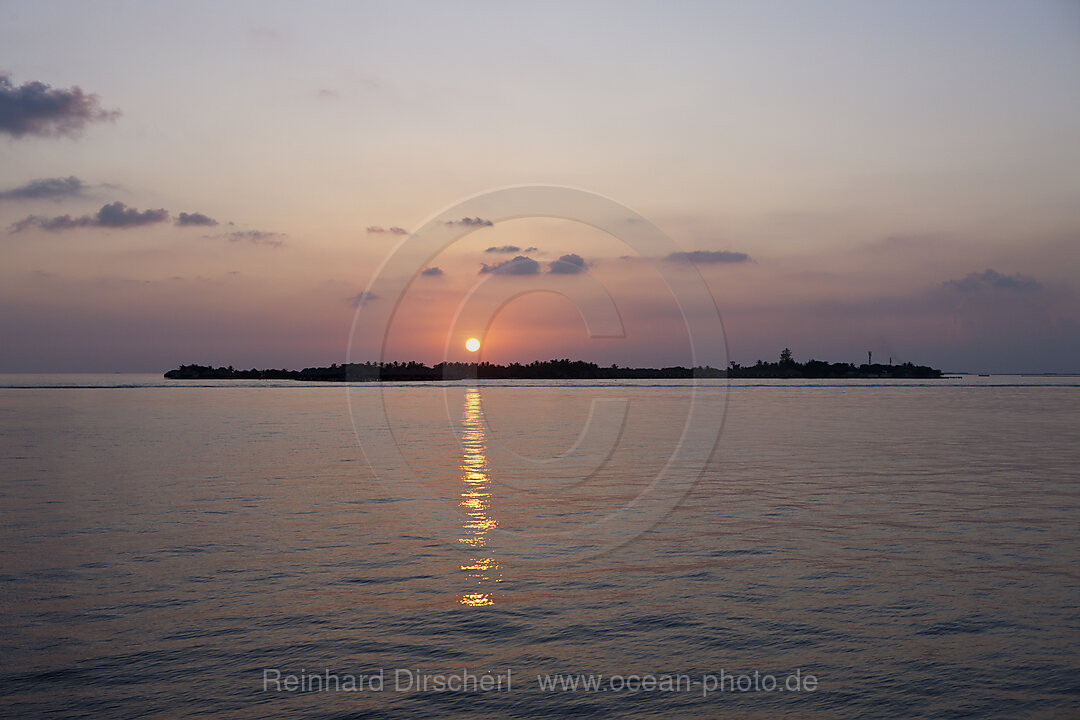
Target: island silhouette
point(787, 367)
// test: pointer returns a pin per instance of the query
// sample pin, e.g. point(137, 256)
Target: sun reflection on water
point(481, 570)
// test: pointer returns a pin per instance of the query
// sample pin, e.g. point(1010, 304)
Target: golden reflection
point(475, 502)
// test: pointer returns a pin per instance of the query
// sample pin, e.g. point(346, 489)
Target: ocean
point(560, 549)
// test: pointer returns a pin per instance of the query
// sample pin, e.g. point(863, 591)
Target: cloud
point(395, 230)
point(709, 256)
point(362, 299)
point(118, 215)
point(113, 215)
point(46, 188)
point(569, 264)
point(521, 265)
point(61, 222)
point(432, 271)
point(993, 280)
point(255, 237)
point(35, 108)
point(471, 222)
point(188, 219)
point(503, 249)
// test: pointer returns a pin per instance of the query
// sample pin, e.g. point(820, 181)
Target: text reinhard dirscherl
point(415, 680)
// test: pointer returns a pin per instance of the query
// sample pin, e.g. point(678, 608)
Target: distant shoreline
point(557, 370)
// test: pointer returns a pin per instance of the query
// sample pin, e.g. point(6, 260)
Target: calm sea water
point(167, 547)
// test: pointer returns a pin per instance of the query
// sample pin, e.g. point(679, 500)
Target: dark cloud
point(709, 256)
point(521, 265)
point(255, 237)
point(113, 215)
point(47, 188)
point(993, 280)
point(509, 249)
point(395, 230)
point(61, 222)
point(471, 222)
point(119, 215)
point(569, 264)
point(188, 219)
point(35, 108)
point(362, 299)
point(432, 271)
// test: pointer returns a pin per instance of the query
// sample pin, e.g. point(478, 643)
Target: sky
point(221, 183)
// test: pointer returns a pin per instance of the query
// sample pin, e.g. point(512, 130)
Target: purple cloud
point(471, 222)
point(113, 215)
point(188, 219)
point(394, 230)
point(35, 108)
point(709, 256)
point(521, 265)
point(45, 189)
point(118, 215)
point(569, 264)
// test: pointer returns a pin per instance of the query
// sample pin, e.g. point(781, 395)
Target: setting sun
point(472, 344)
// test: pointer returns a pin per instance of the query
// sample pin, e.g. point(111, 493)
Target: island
point(785, 368)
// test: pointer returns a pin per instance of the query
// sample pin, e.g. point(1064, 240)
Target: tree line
point(562, 369)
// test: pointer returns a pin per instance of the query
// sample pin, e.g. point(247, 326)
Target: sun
point(472, 344)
